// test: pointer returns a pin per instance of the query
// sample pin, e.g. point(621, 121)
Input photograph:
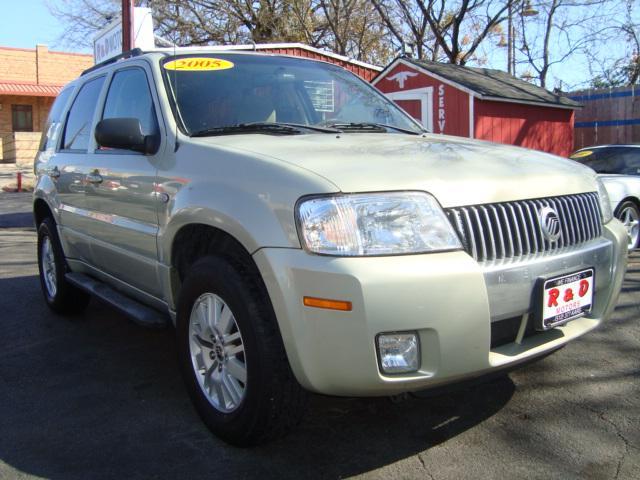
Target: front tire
point(60, 295)
point(629, 214)
point(232, 356)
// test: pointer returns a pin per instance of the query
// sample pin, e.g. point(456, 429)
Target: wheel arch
point(193, 241)
point(629, 198)
point(41, 210)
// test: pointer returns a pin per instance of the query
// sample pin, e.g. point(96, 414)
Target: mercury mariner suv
point(303, 234)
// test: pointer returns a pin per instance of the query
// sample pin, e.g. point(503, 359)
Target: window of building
point(77, 131)
point(22, 118)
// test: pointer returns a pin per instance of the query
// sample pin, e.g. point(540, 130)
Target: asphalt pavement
point(97, 397)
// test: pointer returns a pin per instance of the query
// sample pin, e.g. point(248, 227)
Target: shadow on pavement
point(16, 220)
point(98, 397)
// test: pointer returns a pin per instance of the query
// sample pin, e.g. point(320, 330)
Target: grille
point(512, 229)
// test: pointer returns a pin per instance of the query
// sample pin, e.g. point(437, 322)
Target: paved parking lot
point(97, 397)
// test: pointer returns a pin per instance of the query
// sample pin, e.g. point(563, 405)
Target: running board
point(135, 310)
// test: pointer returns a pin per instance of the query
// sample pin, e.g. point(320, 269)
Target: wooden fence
point(609, 116)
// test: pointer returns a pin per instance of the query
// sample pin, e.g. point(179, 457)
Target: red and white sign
point(567, 297)
point(108, 42)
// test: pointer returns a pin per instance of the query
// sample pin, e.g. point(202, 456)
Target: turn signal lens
point(327, 303)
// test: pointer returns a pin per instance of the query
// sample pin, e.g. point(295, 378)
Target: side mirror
point(125, 134)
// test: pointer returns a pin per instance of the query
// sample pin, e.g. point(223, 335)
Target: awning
point(29, 89)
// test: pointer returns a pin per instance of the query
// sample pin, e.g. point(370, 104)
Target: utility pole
point(525, 10)
point(510, 39)
point(127, 25)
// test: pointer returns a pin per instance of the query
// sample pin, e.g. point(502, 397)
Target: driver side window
point(129, 97)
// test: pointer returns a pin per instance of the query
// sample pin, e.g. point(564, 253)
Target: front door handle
point(94, 178)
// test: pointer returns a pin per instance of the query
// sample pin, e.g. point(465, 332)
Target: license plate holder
point(564, 298)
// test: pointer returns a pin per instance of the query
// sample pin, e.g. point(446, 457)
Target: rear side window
point(51, 130)
point(129, 97)
point(78, 128)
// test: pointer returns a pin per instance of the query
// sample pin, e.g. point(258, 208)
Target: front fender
point(249, 219)
point(250, 197)
point(620, 187)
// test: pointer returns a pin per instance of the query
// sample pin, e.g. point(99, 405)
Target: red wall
point(456, 102)
point(363, 72)
point(541, 128)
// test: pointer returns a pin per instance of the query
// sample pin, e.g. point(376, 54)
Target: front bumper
point(448, 298)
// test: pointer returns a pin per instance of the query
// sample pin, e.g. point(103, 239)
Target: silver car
point(303, 234)
point(618, 167)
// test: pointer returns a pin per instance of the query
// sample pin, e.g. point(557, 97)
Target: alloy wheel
point(217, 352)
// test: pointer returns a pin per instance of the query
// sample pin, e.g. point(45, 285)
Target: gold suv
point(303, 233)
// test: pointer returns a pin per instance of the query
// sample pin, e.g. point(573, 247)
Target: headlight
point(374, 224)
point(605, 203)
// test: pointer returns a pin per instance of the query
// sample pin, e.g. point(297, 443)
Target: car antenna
point(175, 83)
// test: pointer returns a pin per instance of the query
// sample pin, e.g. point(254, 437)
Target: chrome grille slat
point(512, 229)
point(595, 208)
point(543, 242)
point(564, 210)
point(483, 246)
point(555, 204)
point(521, 221)
point(501, 238)
point(471, 236)
point(587, 224)
point(502, 212)
point(488, 232)
point(576, 217)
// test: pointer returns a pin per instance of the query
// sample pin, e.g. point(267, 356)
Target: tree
point(82, 19)
point(619, 67)
point(353, 28)
point(561, 30)
point(348, 27)
point(440, 30)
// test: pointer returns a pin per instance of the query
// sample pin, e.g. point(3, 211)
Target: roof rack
point(128, 54)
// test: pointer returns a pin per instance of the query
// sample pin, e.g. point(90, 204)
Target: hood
point(457, 171)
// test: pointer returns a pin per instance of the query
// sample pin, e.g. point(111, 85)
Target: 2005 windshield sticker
point(198, 64)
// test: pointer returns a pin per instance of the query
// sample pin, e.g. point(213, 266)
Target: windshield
point(618, 160)
point(214, 91)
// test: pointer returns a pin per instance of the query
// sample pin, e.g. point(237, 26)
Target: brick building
point(30, 79)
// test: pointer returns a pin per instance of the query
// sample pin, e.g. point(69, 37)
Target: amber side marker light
point(327, 303)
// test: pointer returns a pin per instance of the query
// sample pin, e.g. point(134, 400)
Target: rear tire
point(232, 357)
point(629, 214)
point(60, 295)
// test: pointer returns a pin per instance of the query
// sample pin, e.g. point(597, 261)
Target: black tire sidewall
point(68, 299)
point(216, 275)
point(47, 229)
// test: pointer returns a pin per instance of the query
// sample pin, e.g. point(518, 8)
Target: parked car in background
point(619, 168)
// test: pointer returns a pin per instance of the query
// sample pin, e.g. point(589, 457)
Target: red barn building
point(366, 71)
point(480, 103)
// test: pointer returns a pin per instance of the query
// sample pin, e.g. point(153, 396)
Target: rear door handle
point(94, 178)
point(54, 172)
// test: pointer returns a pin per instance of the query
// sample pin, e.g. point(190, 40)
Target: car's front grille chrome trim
point(513, 229)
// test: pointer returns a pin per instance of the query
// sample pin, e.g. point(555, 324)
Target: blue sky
point(26, 23)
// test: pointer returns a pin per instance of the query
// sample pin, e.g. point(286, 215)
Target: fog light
point(399, 352)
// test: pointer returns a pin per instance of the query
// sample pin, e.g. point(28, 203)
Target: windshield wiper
point(253, 127)
point(316, 128)
point(371, 127)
